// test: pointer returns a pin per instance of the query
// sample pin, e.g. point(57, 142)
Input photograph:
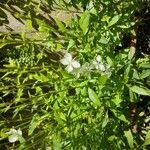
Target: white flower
point(83, 70)
point(98, 64)
point(98, 58)
point(108, 70)
point(71, 63)
point(14, 135)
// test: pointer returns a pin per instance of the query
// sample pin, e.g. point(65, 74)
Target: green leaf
point(113, 21)
point(18, 109)
point(62, 116)
point(147, 139)
point(2, 45)
point(140, 90)
point(93, 96)
point(119, 115)
point(36, 121)
point(71, 44)
point(84, 22)
point(105, 120)
point(135, 74)
point(41, 77)
point(103, 40)
point(29, 22)
point(145, 65)
point(147, 142)
point(91, 8)
point(117, 99)
point(50, 2)
point(131, 53)
point(103, 79)
point(56, 142)
point(133, 96)
point(23, 33)
point(147, 135)
point(19, 94)
point(145, 73)
point(60, 25)
point(43, 26)
point(129, 137)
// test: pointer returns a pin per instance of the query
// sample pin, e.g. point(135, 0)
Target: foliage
point(87, 107)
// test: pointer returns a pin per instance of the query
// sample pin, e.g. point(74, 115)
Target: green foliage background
point(54, 108)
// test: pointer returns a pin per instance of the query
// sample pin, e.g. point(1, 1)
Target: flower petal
point(102, 67)
point(94, 65)
point(12, 131)
point(75, 64)
point(98, 58)
point(67, 59)
point(13, 138)
point(64, 61)
point(19, 132)
point(69, 68)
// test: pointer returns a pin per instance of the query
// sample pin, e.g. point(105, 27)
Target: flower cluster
point(99, 65)
point(75, 68)
point(69, 62)
point(14, 135)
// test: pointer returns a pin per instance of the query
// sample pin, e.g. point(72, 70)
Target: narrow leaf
point(34, 123)
point(145, 65)
point(129, 137)
point(145, 73)
point(60, 25)
point(41, 77)
point(93, 96)
point(147, 139)
point(140, 90)
point(113, 21)
point(103, 40)
point(84, 22)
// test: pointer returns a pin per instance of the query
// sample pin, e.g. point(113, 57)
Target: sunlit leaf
point(145, 73)
point(129, 137)
point(19, 94)
point(2, 44)
point(60, 25)
point(40, 77)
point(147, 139)
point(103, 79)
point(103, 40)
point(140, 90)
point(93, 96)
point(71, 44)
point(145, 65)
point(131, 52)
point(29, 22)
point(133, 96)
point(84, 21)
point(56, 143)
point(91, 8)
point(117, 99)
point(119, 115)
point(113, 21)
point(105, 120)
point(35, 122)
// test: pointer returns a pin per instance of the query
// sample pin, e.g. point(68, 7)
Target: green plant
point(87, 104)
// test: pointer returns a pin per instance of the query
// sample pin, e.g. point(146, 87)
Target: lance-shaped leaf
point(140, 90)
point(93, 96)
point(113, 21)
point(129, 137)
point(84, 22)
